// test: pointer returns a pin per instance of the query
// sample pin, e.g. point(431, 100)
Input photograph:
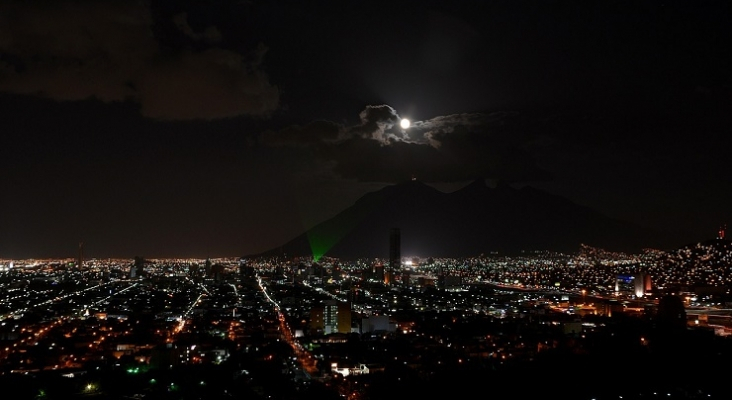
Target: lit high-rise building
point(395, 253)
point(331, 317)
point(637, 285)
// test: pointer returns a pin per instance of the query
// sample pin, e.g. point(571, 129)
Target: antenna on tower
point(722, 230)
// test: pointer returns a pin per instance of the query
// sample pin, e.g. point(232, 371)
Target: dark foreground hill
point(474, 220)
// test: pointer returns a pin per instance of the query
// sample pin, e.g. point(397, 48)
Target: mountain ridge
point(476, 219)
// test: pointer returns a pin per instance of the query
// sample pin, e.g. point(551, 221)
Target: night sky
point(224, 128)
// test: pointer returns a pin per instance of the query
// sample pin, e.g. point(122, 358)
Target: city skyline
point(269, 328)
point(219, 130)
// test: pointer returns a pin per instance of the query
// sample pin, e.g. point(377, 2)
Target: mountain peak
point(412, 181)
point(411, 184)
point(502, 185)
point(475, 187)
point(478, 182)
point(476, 219)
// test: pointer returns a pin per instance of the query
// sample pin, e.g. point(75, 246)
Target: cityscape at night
point(365, 200)
point(297, 328)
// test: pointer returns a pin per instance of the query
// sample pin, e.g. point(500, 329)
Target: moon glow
point(404, 123)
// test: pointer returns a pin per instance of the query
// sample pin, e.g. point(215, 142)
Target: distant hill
point(711, 257)
point(474, 220)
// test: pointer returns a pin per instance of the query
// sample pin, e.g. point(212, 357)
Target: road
point(305, 359)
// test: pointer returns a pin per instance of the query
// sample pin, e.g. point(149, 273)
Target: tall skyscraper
point(247, 274)
point(80, 262)
point(378, 273)
point(395, 252)
point(139, 266)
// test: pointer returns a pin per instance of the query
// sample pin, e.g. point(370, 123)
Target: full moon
point(404, 123)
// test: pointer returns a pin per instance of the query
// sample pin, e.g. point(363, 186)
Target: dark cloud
point(438, 129)
point(74, 50)
point(377, 122)
point(210, 34)
point(451, 148)
point(311, 134)
point(211, 84)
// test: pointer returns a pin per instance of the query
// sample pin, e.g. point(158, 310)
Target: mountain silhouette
point(477, 219)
